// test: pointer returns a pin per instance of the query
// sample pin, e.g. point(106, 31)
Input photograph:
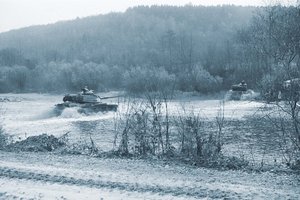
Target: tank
point(86, 102)
point(240, 92)
point(241, 87)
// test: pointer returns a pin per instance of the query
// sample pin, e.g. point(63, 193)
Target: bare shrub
point(142, 139)
point(123, 126)
point(196, 142)
point(220, 122)
point(155, 108)
point(136, 135)
point(276, 130)
point(144, 127)
point(273, 34)
point(286, 125)
point(85, 146)
point(289, 122)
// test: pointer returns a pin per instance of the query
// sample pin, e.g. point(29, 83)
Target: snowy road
point(48, 176)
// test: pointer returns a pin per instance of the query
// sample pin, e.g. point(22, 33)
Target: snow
point(35, 175)
point(50, 176)
point(24, 189)
point(209, 108)
point(33, 114)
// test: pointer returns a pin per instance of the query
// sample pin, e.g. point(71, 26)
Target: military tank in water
point(86, 102)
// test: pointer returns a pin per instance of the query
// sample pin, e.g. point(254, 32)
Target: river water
point(24, 115)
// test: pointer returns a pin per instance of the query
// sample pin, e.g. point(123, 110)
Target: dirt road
point(49, 176)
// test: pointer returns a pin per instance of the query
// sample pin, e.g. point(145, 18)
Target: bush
point(199, 80)
point(62, 76)
point(18, 77)
point(13, 78)
point(195, 143)
point(143, 79)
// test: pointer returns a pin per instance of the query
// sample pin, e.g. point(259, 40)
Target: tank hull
point(86, 108)
point(239, 88)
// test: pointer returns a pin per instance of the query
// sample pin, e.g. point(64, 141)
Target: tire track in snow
point(196, 192)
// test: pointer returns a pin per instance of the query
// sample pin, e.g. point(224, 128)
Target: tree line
point(192, 48)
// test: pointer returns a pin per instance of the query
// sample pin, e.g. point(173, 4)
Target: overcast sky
point(21, 13)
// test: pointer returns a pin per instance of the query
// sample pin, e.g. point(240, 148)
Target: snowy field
point(51, 176)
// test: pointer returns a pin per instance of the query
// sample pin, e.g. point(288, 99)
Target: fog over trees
point(193, 48)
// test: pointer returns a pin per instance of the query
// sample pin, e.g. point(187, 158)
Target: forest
point(191, 48)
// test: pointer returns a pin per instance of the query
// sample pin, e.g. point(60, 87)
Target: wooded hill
point(176, 40)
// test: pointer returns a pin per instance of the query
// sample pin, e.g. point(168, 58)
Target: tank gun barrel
point(110, 97)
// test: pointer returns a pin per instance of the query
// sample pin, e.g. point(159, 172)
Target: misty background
point(146, 48)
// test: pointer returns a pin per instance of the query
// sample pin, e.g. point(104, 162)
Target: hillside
point(137, 36)
point(190, 43)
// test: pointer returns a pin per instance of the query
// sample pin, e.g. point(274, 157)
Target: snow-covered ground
point(33, 114)
point(48, 176)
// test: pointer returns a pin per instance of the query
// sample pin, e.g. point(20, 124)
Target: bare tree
point(192, 137)
point(275, 33)
point(220, 121)
point(126, 121)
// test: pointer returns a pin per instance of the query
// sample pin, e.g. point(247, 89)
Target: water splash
point(71, 113)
